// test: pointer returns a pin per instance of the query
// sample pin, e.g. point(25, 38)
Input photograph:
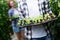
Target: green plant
point(5, 27)
point(54, 7)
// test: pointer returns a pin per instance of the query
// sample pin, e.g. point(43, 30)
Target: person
point(19, 31)
point(38, 32)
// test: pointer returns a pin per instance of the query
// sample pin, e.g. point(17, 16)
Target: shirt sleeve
point(10, 12)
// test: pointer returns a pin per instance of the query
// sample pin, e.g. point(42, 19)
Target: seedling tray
point(41, 23)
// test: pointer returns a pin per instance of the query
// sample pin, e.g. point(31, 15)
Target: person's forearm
point(10, 18)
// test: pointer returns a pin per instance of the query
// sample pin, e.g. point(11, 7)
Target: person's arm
point(10, 18)
point(9, 14)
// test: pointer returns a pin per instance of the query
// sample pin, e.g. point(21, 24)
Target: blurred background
point(5, 24)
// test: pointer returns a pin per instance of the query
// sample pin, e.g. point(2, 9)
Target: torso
point(13, 11)
point(37, 31)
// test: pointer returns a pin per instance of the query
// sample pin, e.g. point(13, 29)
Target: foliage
point(55, 6)
point(5, 27)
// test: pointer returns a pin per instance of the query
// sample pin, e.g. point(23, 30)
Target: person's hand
point(9, 19)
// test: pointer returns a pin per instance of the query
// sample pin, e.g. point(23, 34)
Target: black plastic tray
point(41, 23)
